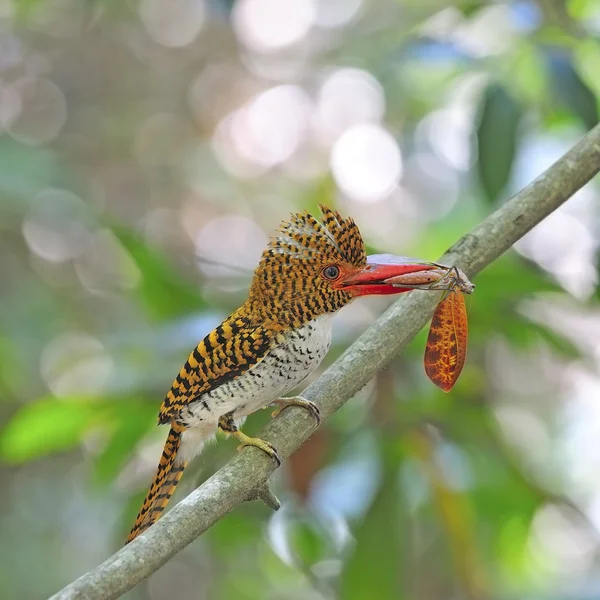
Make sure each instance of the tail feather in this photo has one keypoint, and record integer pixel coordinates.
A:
(168, 474)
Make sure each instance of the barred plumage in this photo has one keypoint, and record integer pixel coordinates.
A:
(269, 345)
(167, 477)
(224, 353)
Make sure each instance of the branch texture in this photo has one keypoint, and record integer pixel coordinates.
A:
(245, 476)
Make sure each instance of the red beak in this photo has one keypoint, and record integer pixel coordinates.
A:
(371, 280)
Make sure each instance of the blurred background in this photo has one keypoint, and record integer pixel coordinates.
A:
(147, 151)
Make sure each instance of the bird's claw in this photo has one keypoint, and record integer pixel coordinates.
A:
(297, 401)
(265, 446)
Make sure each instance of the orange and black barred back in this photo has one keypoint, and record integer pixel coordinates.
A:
(231, 348)
(168, 474)
(287, 292)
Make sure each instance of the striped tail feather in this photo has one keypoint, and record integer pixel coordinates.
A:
(168, 474)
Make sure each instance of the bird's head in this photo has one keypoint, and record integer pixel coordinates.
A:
(314, 267)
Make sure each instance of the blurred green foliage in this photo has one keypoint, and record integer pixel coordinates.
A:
(497, 139)
(115, 260)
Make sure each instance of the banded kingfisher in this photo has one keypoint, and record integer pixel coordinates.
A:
(267, 347)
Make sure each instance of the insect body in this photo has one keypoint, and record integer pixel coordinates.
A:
(446, 347)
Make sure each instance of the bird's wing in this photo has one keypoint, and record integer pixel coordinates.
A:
(226, 352)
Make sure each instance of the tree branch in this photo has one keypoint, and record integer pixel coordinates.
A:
(245, 475)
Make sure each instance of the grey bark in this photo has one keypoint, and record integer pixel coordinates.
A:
(246, 476)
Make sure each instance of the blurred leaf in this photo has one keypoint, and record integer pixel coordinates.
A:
(45, 426)
(24, 8)
(512, 276)
(134, 420)
(556, 341)
(494, 305)
(161, 291)
(497, 139)
(469, 7)
(24, 171)
(569, 88)
(373, 570)
(505, 489)
(528, 76)
(582, 9)
(240, 528)
(308, 541)
(53, 424)
(455, 510)
(587, 62)
(513, 543)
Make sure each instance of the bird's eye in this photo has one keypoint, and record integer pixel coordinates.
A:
(331, 272)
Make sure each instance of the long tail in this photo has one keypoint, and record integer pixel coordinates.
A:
(169, 472)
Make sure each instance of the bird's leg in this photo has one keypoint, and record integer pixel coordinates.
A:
(297, 401)
(227, 425)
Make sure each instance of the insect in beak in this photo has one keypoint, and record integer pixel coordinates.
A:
(446, 348)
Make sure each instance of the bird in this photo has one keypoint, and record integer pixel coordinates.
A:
(310, 270)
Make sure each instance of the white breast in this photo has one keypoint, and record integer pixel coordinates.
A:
(283, 368)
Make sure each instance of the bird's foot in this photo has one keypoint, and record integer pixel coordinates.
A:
(227, 425)
(297, 401)
(266, 447)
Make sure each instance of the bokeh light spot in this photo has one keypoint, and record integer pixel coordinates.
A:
(346, 98)
(448, 133)
(563, 245)
(105, 265)
(229, 240)
(76, 363)
(273, 125)
(174, 23)
(43, 111)
(559, 543)
(269, 25)
(366, 163)
(266, 131)
(54, 228)
(336, 13)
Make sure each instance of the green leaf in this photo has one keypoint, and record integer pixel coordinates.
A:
(43, 427)
(24, 8)
(54, 424)
(570, 89)
(373, 570)
(528, 74)
(557, 342)
(586, 59)
(134, 420)
(239, 529)
(308, 542)
(497, 139)
(514, 277)
(469, 8)
(582, 9)
(163, 293)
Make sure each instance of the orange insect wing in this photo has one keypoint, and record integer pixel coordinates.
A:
(446, 348)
